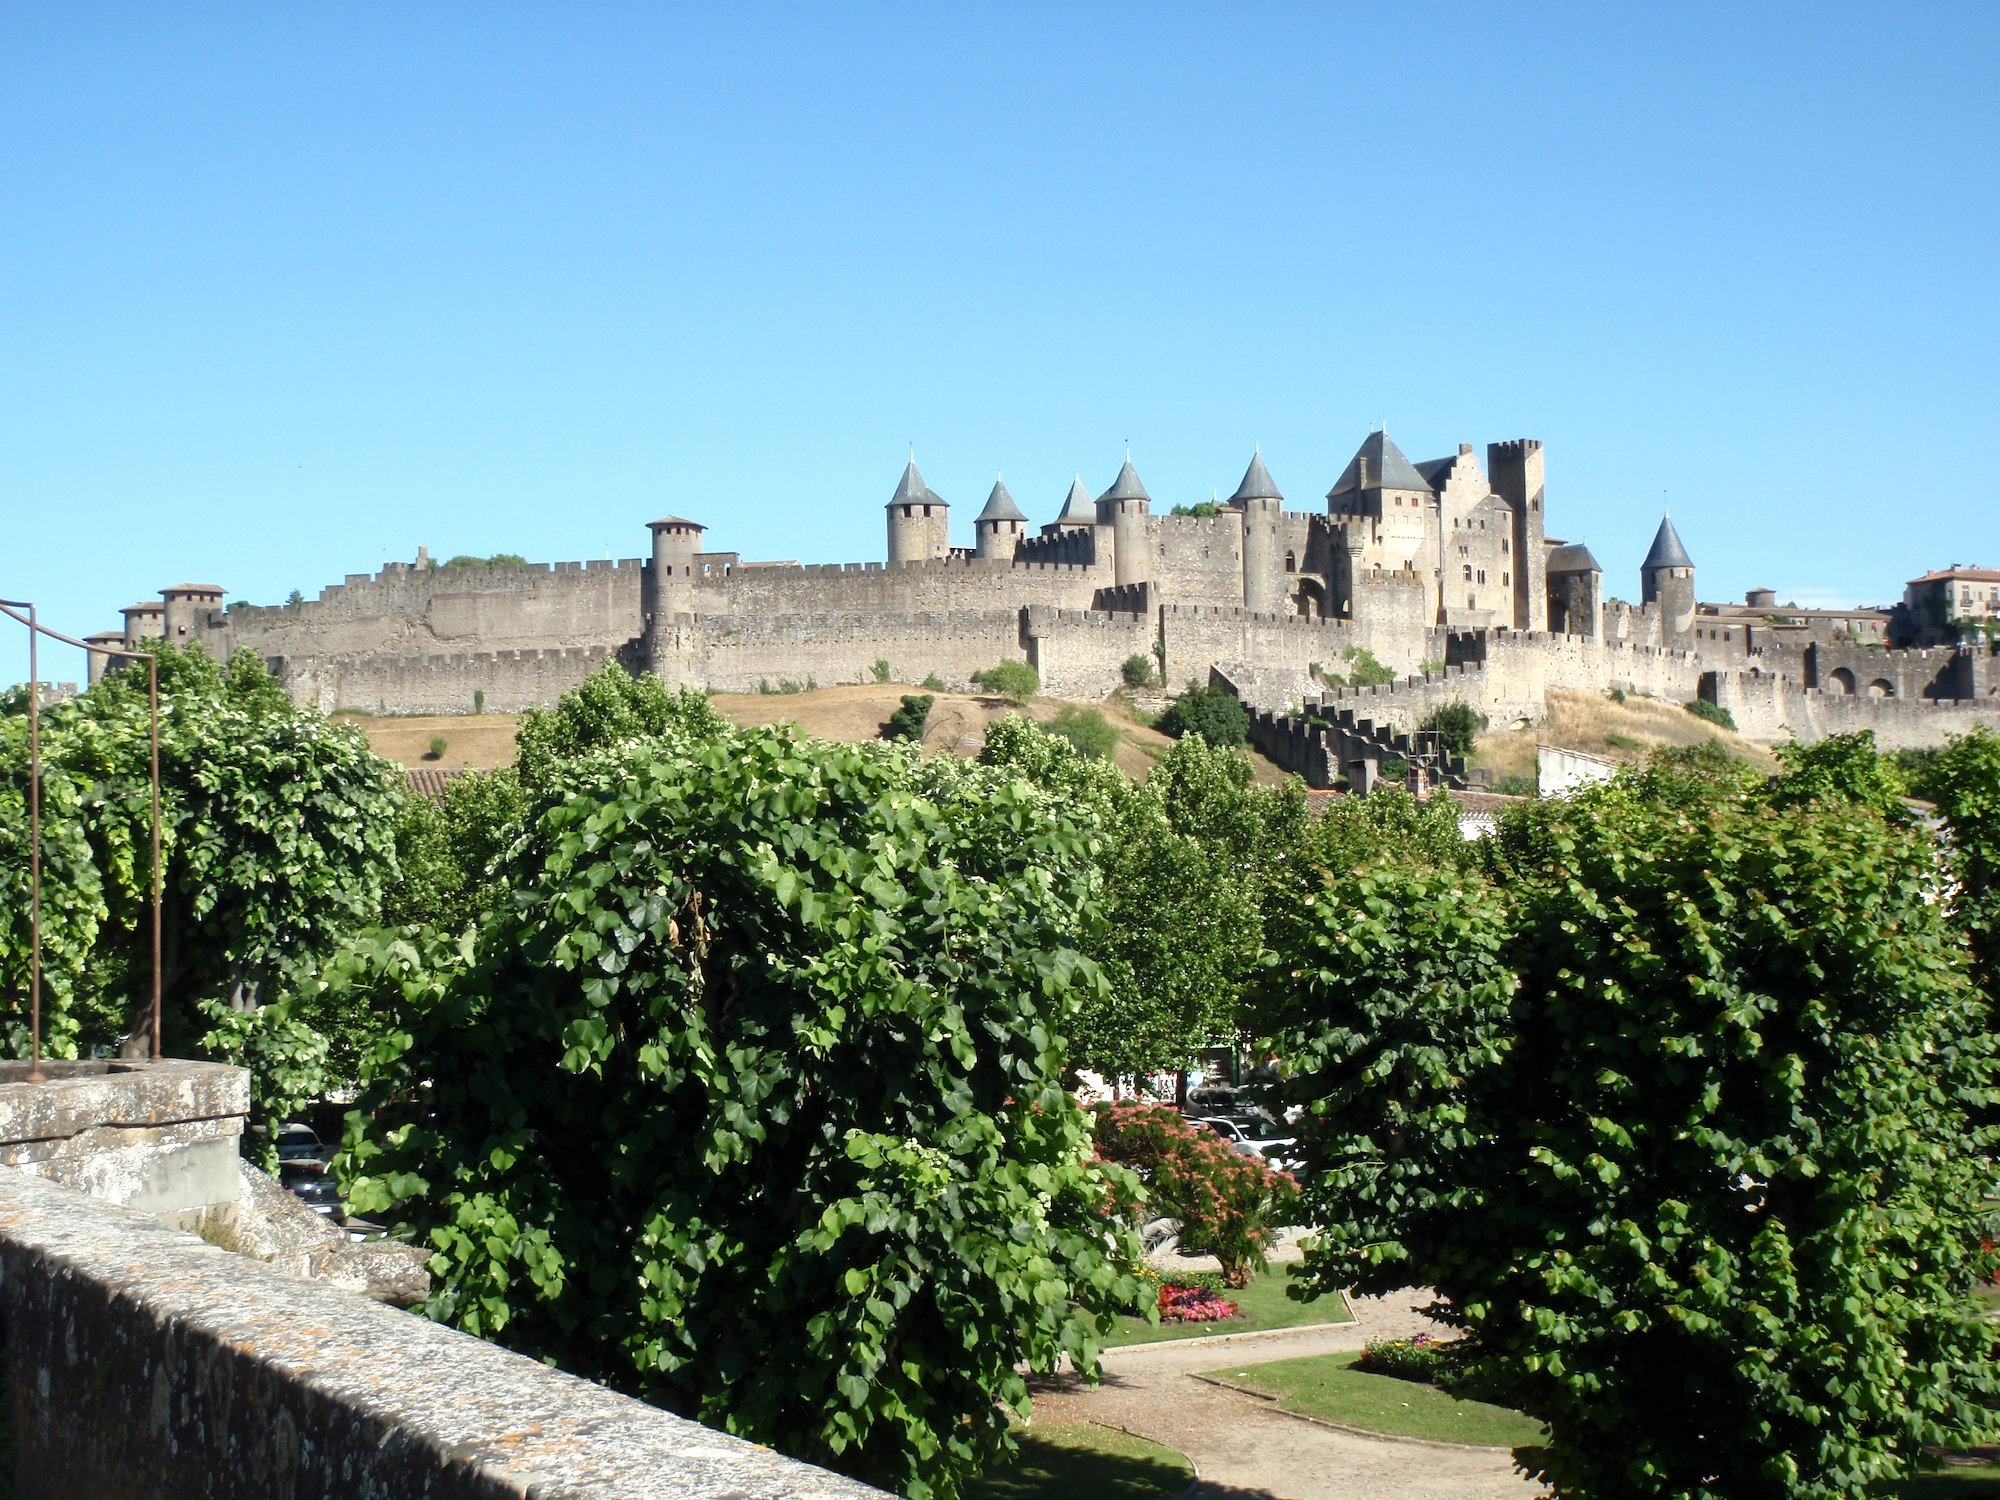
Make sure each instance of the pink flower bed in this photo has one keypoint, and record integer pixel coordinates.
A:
(1188, 1304)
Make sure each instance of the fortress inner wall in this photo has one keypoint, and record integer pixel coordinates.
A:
(945, 586)
(1199, 558)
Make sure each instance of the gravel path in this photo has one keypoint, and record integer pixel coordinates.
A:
(1244, 1450)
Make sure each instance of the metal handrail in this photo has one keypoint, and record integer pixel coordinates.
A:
(11, 608)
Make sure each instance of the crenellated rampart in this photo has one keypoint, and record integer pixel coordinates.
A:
(510, 681)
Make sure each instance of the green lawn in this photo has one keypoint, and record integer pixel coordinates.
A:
(1068, 1461)
(1968, 1482)
(1326, 1385)
(1262, 1304)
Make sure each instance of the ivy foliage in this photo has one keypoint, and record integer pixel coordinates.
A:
(749, 1100)
(277, 841)
(1677, 1103)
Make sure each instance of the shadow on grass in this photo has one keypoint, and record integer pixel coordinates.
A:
(1073, 1461)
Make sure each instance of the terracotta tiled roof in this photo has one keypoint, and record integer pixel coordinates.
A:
(430, 781)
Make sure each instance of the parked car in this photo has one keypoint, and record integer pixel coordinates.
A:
(319, 1195)
(299, 1144)
(1248, 1137)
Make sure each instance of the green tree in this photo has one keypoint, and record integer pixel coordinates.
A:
(907, 722)
(748, 1101)
(1086, 728)
(277, 840)
(1680, 1117)
(1364, 670)
(610, 708)
(1211, 712)
(1139, 670)
(1963, 780)
(1711, 713)
(1014, 680)
(1183, 862)
(1457, 725)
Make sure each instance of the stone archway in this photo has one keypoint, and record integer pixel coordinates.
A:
(1881, 687)
(1841, 681)
(1310, 600)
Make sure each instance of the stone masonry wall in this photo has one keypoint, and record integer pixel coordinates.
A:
(141, 1362)
(439, 684)
(1083, 655)
(1199, 559)
(943, 586)
(1771, 707)
(440, 611)
(736, 653)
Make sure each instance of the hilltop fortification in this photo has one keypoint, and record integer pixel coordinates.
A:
(1442, 570)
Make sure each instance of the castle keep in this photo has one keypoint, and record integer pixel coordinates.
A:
(1444, 564)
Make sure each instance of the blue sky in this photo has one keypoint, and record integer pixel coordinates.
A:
(291, 290)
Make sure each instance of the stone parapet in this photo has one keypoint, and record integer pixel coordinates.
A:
(142, 1362)
(161, 1137)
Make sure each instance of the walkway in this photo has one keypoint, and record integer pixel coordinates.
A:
(1244, 1450)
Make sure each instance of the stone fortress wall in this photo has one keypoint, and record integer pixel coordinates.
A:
(1418, 564)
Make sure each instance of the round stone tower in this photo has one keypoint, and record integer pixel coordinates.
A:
(188, 606)
(1000, 527)
(1265, 586)
(919, 521)
(669, 589)
(1127, 509)
(1666, 578)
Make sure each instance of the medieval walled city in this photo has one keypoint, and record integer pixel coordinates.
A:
(1444, 570)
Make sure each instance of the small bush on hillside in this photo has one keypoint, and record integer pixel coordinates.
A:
(1364, 670)
(1209, 712)
(1457, 726)
(1617, 695)
(1711, 713)
(1086, 728)
(1139, 670)
(881, 669)
(907, 722)
(437, 748)
(1015, 680)
(1517, 786)
(479, 700)
(1625, 742)
(933, 683)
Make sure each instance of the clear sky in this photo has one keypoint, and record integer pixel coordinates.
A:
(288, 290)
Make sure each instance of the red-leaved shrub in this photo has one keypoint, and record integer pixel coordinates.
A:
(1225, 1201)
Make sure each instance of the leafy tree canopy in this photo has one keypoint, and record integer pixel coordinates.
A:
(1681, 1114)
(748, 1102)
(277, 840)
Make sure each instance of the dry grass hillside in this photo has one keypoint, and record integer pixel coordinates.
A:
(1595, 725)
(851, 712)
(476, 742)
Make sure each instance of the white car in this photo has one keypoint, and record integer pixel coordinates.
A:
(1278, 1151)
